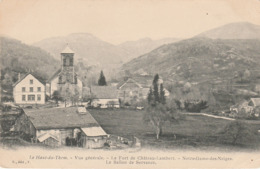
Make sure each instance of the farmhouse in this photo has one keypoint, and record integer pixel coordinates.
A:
(104, 96)
(29, 90)
(136, 88)
(65, 75)
(62, 127)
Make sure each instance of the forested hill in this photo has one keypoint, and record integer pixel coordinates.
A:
(199, 59)
(16, 57)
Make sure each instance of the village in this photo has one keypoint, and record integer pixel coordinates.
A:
(63, 112)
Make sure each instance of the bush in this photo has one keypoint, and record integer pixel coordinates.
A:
(238, 132)
(195, 106)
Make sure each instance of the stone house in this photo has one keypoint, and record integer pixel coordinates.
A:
(62, 127)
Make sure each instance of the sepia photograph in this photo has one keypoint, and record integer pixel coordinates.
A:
(130, 84)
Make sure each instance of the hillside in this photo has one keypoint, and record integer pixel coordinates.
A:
(143, 46)
(199, 59)
(16, 57)
(87, 47)
(240, 30)
(19, 57)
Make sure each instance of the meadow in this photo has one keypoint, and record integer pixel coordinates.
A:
(191, 132)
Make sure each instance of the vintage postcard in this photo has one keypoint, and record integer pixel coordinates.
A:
(130, 84)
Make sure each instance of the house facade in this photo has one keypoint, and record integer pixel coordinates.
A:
(65, 75)
(29, 90)
(62, 127)
(104, 96)
(136, 88)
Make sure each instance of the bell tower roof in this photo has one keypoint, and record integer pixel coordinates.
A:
(67, 50)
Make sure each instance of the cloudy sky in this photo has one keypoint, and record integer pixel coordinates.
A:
(116, 21)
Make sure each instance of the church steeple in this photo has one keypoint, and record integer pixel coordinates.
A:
(67, 65)
(67, 50)
(67, 57)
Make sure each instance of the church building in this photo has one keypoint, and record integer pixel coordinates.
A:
(65, 75)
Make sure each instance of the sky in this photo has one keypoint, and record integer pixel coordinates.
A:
(117, 21)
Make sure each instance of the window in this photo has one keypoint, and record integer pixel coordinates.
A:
(31, 81)
(71, 61)
(39, 89)
(64, 61)
(23, 97)
(23, 89)
(31, 89)
(67, 61)
(31, 97)
(38, 97)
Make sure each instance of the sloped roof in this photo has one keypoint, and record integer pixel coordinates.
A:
(57, 74)
(143, 81)
(94, 131)
(104, 92)
(23, 77)
(45, 136)
(60, 118)
(256, 101)
(67, 50)
(54, 75)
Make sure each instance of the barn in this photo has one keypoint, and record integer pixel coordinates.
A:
(62, 127)
(104, 97)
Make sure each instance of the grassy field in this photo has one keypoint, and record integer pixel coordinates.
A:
(193, 132)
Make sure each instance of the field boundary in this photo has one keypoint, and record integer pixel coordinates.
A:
(209, 115)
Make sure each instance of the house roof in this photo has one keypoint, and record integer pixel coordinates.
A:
(104, 92)
(24, 76)
(57, 74)
(256, 101)
(54, 75)
(54, 118)
(94, 131)
(142, 81)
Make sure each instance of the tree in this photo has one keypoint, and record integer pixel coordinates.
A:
(237, 132)
(150, 96)
(70, 92)
(157, 111)
(156, 88)
(56, 96)
(162, 94)
(102, 79)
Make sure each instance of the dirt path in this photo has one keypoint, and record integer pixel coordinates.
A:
(220, 117)
(210, 115)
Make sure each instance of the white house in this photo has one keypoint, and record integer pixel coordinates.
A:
(104, 96)
(29, 90)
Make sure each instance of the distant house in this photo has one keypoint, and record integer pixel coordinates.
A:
(62, 127)
(246, 106)
(66, 74)
(104, 96)
(29, 90)
(136, 88)
(254, 102)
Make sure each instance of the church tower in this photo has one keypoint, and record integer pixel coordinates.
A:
(67, 67)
